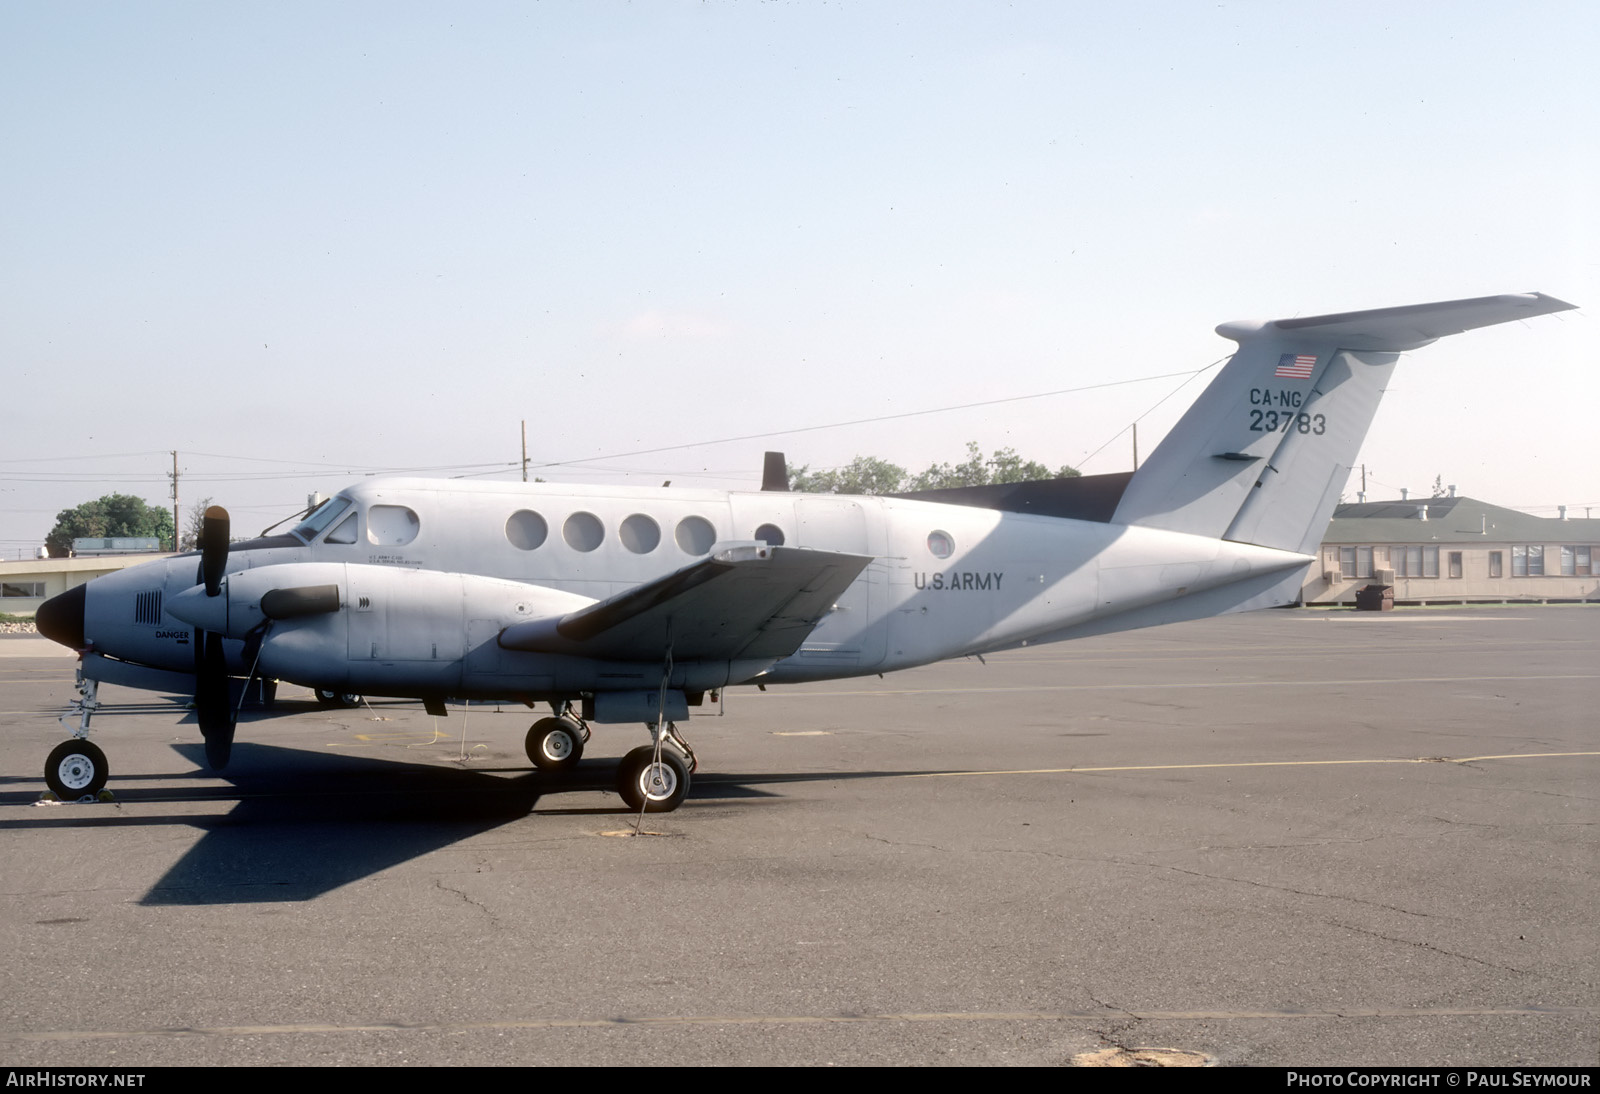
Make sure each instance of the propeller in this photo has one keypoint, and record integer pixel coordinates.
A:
(212, 706)
(213, 548)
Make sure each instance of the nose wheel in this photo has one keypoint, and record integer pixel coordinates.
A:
(76, 769)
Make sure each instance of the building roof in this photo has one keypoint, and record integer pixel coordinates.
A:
(1451, 520)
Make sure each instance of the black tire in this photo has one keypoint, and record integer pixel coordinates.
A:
(329, 697)
(554, 744)
(657, 788)
(76, 769)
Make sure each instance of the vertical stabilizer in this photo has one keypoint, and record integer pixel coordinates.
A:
(1264, 452)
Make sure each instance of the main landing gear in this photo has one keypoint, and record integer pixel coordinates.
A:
(645, 780)
(655, 786)
(556, 744)
(655, 777)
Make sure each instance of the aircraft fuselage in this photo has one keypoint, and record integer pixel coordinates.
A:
(944, 581)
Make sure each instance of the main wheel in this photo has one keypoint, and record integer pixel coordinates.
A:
(657, 787)
(554, 744)
(75, 769)
(328, 697)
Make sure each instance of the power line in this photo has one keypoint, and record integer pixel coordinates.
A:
(859, 421)
(486, 468)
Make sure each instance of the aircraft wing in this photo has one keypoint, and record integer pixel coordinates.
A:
(747, 601)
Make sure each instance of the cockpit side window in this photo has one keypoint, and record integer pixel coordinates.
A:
(322, 516)
(345, 533)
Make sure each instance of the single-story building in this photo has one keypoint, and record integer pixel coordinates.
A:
(1455, 549)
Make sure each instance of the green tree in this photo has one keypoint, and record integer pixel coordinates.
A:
(112, 515)
(862, 475)
(870, 475)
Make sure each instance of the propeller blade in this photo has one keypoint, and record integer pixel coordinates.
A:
(213, 548)
(211, 702)
(303, 600)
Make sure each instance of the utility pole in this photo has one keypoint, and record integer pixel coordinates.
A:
(176, 527)
(524, 450)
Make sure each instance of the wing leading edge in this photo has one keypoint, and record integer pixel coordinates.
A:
(746, 601)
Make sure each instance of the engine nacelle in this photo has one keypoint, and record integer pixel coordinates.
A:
(381, 630)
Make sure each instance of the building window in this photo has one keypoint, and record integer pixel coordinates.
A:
(1455, 564)
(1497, 563)
(25, 590)
(1354, 562)
(1416, 561)
(1577, 561)
(1527, 561)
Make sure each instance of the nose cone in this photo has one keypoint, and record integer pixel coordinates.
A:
(60, 618)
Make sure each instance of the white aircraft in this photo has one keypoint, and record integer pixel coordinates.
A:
(622, 604)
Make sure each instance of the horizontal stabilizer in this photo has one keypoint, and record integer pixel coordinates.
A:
(1413, 325)
(746, 601)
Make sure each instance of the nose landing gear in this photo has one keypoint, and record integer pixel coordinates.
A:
(77, 770)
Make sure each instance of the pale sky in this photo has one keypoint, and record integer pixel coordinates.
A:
(302, 242)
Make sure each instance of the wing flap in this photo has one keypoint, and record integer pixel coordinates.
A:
(748, 601)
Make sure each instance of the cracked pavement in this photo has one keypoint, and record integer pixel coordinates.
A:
(1013, 875)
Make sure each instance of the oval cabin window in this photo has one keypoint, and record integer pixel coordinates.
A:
(695, 535)
(526, 530)
(583, 531)
(639, 534)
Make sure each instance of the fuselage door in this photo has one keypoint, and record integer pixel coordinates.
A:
(854, 633)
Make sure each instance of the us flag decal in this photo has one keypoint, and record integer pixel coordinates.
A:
(1296, 366)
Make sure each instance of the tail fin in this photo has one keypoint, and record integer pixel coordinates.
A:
(1262, 455)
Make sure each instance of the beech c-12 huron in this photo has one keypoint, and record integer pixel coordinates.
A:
(625, 604)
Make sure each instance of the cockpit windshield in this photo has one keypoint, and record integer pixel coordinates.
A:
(322, 516)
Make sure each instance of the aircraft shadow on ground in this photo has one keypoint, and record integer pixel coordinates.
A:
(305, 823)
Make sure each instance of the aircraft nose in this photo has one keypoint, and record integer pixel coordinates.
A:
(60, 618)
